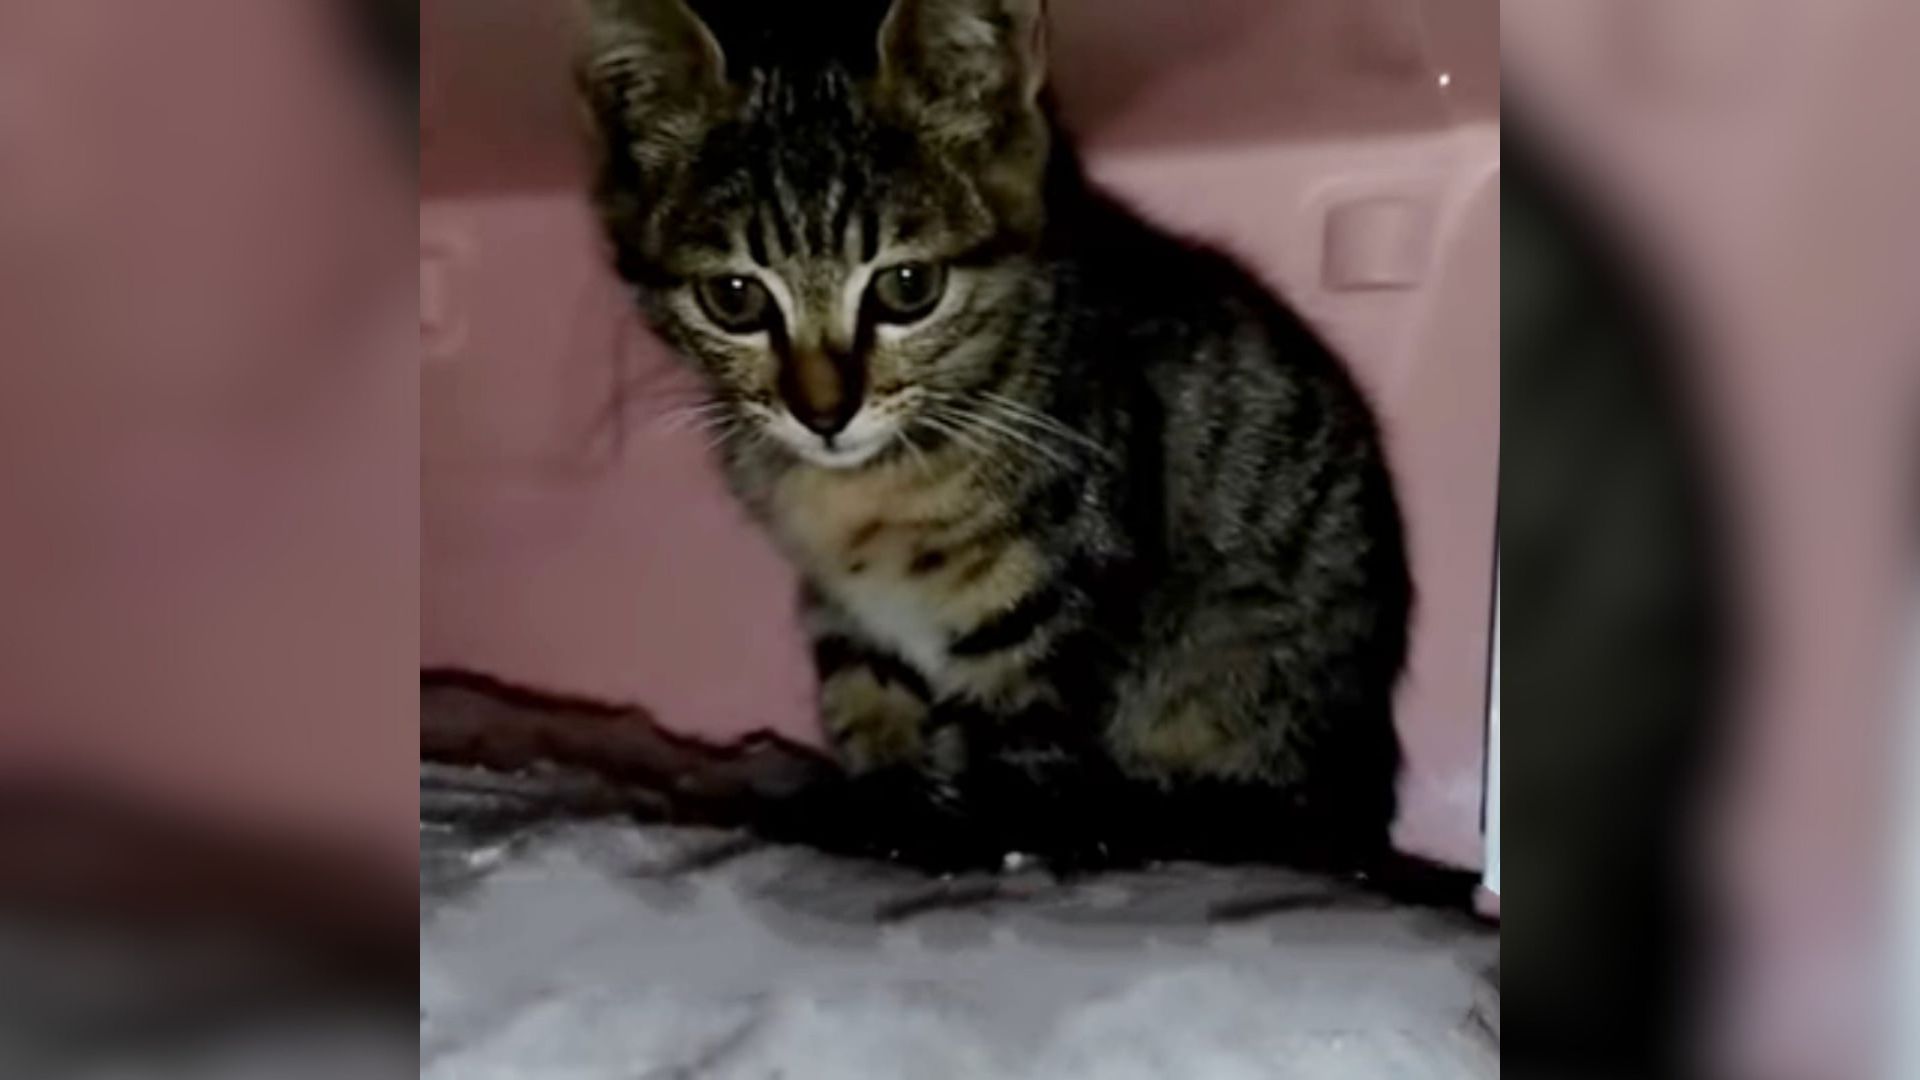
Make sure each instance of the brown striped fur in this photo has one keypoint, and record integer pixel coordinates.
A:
(1105, 517)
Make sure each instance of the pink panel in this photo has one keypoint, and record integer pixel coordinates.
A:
(558, 548)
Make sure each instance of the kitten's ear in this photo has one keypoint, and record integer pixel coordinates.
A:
(964, 60)
(653, 75)
(969, 73)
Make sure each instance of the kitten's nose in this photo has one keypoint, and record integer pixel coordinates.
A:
(827, 424)
(822, 389)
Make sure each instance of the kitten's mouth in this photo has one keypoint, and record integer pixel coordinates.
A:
(860, 442)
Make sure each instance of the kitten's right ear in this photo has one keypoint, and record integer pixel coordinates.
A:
(968, 75)
(653, 76)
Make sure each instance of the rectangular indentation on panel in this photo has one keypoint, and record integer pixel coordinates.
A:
(444, 246)
(1377, 243)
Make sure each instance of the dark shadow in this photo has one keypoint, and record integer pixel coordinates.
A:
(387, 33)
(546, 756)
(1616, 588)
(128, 928)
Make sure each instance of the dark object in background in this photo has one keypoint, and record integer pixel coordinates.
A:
(496, 756)
(1615, 595)
(387, 33)
(603, 758)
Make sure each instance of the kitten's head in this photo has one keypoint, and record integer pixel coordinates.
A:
(832, 235)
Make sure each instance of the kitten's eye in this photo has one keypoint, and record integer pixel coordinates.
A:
(906, 293)
(736, 304)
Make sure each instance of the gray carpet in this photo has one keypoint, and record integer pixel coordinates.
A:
(584, 949)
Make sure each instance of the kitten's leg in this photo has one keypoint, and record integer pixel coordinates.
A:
(903, 798)
(873, 707)
(1260, 749)
(1040, 782)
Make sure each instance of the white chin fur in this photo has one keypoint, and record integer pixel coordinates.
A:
(855, 445)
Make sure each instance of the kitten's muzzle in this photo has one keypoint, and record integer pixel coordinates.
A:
(823, 389)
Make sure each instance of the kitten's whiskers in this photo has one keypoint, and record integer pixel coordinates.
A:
(1022, 412)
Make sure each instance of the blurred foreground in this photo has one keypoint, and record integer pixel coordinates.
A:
(208, 538)
(1711, 338)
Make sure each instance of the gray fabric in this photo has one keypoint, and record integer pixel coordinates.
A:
(591, 949)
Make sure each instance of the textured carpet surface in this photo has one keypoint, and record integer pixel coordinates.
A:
(608, 949)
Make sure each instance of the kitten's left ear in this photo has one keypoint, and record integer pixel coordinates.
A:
(964, 56)
(968, 74)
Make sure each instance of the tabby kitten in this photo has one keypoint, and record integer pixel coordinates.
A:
(1094, 531)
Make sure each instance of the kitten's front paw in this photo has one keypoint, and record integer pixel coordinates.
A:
(874, 724)
(1074, 818)
(893, 814)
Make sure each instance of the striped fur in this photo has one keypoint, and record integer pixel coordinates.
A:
(1123, 510)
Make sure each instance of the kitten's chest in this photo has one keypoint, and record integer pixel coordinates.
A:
(898, 553)
(900, 614)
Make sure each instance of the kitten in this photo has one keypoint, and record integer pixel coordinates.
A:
(1094, 532)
